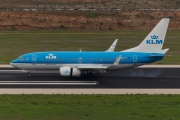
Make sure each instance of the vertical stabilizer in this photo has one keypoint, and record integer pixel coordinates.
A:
(155, 39)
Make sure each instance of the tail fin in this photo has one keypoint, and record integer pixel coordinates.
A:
(155, 39)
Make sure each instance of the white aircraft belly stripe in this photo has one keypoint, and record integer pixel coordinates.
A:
(57, 66)
(48, 82)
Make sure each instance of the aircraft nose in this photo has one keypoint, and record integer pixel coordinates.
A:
(13, 63)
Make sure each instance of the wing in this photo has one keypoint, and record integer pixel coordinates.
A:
(96, 67)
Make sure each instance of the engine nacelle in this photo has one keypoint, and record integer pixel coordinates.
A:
(68, 71)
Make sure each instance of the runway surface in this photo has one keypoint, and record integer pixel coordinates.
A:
(136, 78)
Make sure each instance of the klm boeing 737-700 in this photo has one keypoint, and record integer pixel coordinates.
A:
(76, 63)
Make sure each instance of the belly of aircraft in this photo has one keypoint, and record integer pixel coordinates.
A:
(57, 66)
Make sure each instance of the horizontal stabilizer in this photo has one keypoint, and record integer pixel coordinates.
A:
(165, 50)
(159, 55)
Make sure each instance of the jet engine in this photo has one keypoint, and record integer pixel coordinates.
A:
(68, 72)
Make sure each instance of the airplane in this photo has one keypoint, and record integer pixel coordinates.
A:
(74, 64)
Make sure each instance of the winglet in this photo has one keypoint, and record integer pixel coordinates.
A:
(112, 47)
(117, 61)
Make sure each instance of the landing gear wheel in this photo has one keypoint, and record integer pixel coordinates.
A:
(29, 74)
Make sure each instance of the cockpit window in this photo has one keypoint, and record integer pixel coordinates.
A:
(21, 58)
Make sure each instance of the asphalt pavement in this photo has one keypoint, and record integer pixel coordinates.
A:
(138, 78)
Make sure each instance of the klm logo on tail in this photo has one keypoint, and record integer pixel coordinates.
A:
(154, 40)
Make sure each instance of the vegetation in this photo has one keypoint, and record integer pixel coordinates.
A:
(15, 43)
(88, 4)
(88, 107)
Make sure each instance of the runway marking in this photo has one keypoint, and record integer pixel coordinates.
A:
(48, 82)
(13, 71)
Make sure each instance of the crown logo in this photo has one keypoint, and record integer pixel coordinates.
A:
(154, 37)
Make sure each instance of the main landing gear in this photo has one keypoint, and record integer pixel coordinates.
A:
(90, 73)
(29, 73)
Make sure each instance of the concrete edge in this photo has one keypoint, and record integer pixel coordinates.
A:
(5, 66)
(88, 91)
(159, 66)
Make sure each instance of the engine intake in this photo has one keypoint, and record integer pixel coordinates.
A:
(68, 72)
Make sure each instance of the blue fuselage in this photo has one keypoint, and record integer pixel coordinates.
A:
(87, 57)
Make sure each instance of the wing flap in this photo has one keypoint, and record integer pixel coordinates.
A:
(116, 62)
